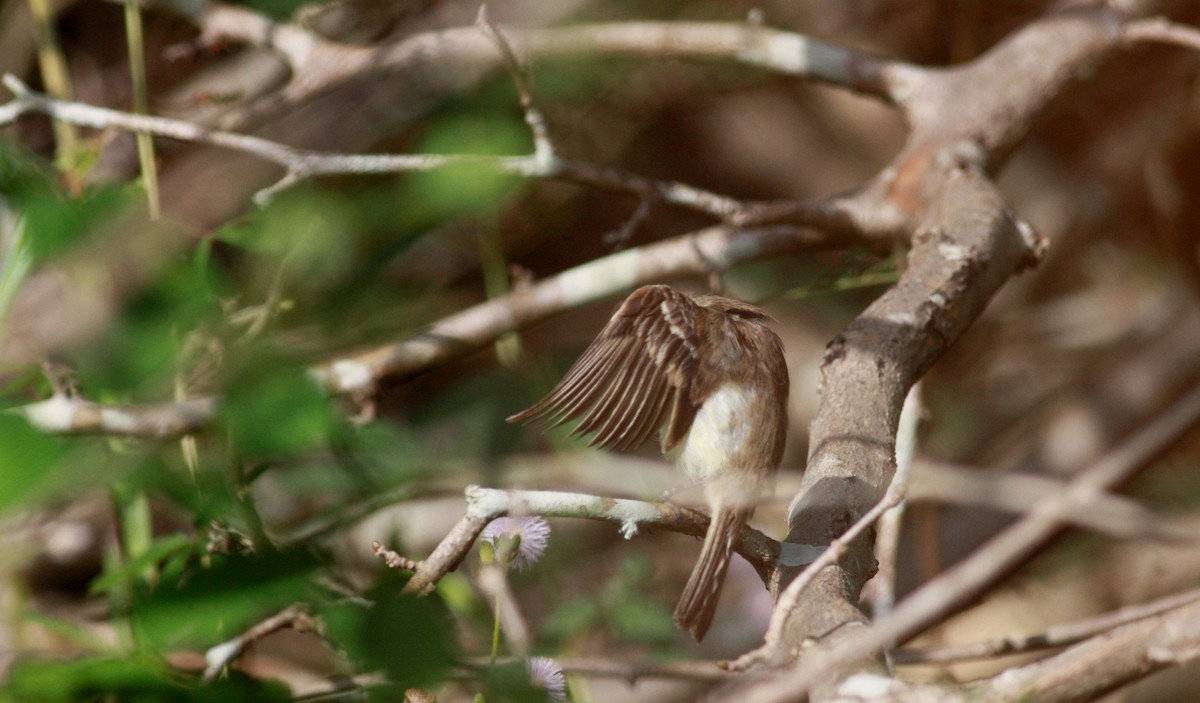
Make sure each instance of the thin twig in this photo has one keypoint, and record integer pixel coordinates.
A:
(1100, 664)
(543, 148)
(304, 164)
(1108, 514)
(748, 43)
(887, 541)
(1162, 30)
(486, 504)
(218, 657)
(1054, 637)
(450, 551)
(619, 237)
(632, 671)
(393, 559)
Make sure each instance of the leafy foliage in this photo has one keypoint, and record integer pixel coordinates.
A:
(208, 605)
(28, 457)
(125, 679)
(407, 637)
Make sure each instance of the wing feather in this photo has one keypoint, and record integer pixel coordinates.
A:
(633, 376)
(576, 399)
(645, 420)
(571, 395)
(607, 393)
(620, 417)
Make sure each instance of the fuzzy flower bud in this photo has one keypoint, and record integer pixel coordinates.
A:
(528, 536)
(548, 676)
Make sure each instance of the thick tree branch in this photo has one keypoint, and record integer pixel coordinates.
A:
(968, 246)
(955, 587)
(965, 121)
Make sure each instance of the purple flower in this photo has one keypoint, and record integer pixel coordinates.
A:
(548, 676)
(530, 533)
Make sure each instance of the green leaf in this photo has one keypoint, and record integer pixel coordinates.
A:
(89, 678)
(640, 620)
(460, 596)
(204, 606)
(572, 619)
(393, 454)
(409, 638)
(24, 178)
(163, 549)
(28, 458)
(140, 350)
(56, 222)
(471, 188)
(128, 679)
(509, 683)
(273, 409)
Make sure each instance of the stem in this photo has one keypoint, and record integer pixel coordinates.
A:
(495, 281)
(15, 261)
(495, 631)
(137, 71)
(57, 78)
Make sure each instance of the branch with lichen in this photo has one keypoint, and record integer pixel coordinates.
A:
(487, 504)
(64, 414)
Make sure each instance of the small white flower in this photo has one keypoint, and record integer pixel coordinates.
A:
(533, 533)
(548, 676)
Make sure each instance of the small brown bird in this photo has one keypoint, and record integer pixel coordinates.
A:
(709, 373)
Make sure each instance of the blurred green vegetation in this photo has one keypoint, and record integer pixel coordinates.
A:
(128, 679)
(235, 530)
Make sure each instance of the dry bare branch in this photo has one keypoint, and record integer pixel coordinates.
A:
(319, 63)
(690, 254)
(1055, 637)
(1107, 514)
(1111, 660)
(634, 671)
(220, 656)
(1162, 30)
(887, 541)
(304, 164)
(966, 244)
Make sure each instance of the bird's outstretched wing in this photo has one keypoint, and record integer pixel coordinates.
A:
(634, 376)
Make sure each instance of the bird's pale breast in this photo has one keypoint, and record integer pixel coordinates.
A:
(723, 434)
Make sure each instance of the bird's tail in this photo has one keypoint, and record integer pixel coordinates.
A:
(694, 612)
